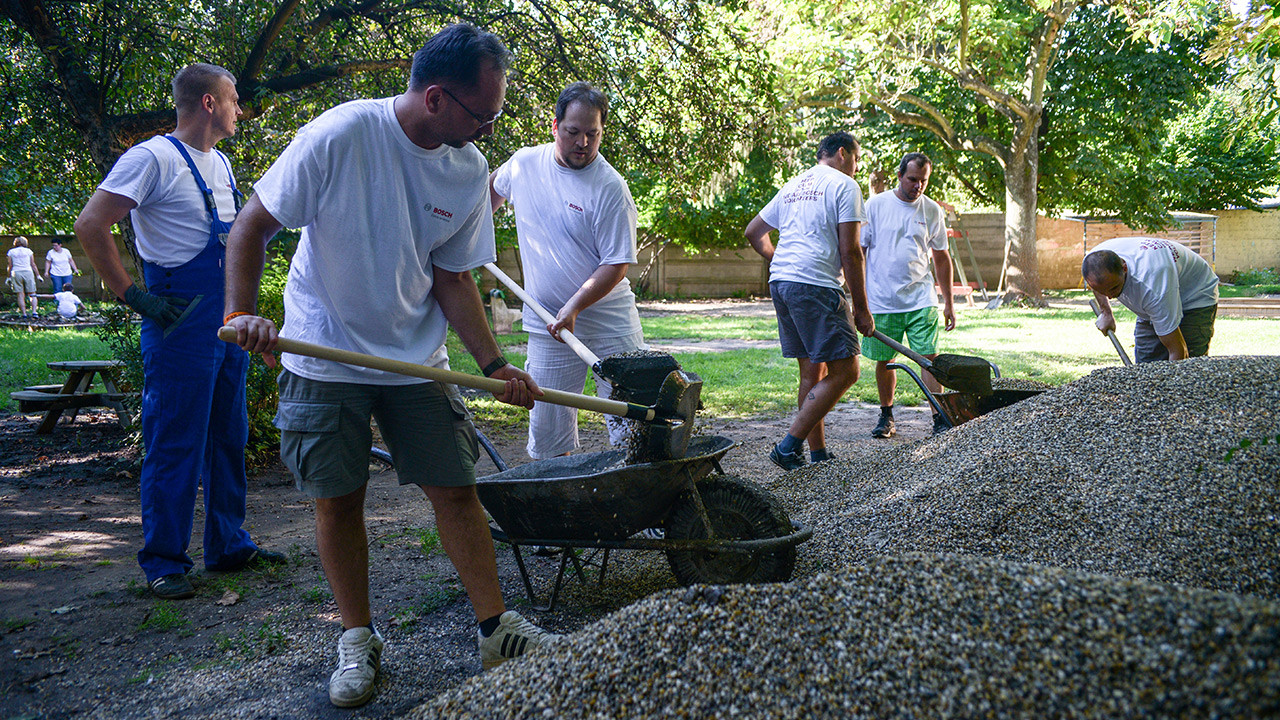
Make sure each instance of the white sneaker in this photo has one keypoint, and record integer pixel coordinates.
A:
(514, 637)
(359, 657)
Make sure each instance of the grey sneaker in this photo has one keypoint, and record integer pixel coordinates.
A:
(359, 657)
(514, 637)
(787, 461)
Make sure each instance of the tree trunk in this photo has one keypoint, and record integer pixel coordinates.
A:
(1020, 177)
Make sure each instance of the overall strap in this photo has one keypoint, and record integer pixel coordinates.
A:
(236, 196)
(205, 192)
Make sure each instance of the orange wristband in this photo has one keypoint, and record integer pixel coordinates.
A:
(235, 314)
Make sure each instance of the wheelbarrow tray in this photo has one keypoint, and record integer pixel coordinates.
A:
(962, 407)
(593, 496)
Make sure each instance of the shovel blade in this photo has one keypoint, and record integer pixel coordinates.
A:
(964, 373)
(640, 376)
(667, 436)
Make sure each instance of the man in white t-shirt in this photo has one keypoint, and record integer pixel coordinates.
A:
(194, 421)
(576, 222)
(905, 228)
(817, 215)
(59, 265)
(394, 182)
(1172, 290)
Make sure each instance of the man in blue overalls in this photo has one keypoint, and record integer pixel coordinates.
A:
(183, 198)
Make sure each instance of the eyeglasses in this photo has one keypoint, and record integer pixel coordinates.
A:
(478, 118)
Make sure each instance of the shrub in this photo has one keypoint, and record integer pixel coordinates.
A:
(1256, 276)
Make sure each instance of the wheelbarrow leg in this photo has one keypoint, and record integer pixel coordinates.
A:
(524, 575)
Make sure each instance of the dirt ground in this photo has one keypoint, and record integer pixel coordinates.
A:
(83, 637)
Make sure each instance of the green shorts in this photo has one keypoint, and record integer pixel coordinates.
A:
(919, 326)
(325, 434)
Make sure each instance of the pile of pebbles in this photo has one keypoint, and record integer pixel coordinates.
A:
(1106, 549)
(908, 636)
(1164, 471)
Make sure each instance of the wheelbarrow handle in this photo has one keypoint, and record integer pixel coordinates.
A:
(919, 359)
(493, 385)
(577, 345)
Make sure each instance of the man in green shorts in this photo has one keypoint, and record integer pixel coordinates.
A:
(904, 228)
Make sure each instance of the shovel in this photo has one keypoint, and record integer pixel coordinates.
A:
(964, 373)
(638, 378)
(1097, 311)
(667, 424)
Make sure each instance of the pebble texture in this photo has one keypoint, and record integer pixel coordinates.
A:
(1166, 471)
(1110, 548)
(907, 636)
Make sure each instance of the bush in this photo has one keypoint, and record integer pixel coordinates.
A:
(120, 332)
(1256, 276)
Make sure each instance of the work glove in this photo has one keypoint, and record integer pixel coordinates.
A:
(164, 310)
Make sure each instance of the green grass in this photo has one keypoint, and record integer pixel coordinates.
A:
(697, 327)
(165, 616)
(266, 640)
(24, 354)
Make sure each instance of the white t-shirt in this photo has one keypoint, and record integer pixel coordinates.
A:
(67, 302)
(807, 212)
(378, 213)
(21, 257)
(898, 239)
(171, 223)
(59, 262)
(1164, 280)
(570, 222)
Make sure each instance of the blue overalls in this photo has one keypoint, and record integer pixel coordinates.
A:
(193, 413)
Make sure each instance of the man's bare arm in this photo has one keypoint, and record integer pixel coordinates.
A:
(602, 281)
(849, 236)
(93, 230)
(1175, 344)
(246, 254)
(757, 233)
(942, 270)
(495, 200)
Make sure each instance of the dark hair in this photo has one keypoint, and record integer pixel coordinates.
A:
(195, 81)
(66, 287)
(835, 142)
(586, 93)
(1101, 261)
(915, 157)
(456, 54)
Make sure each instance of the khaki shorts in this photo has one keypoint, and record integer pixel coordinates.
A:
(23, 282)
(325, 434)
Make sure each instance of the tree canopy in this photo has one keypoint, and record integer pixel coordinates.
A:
(86, 80)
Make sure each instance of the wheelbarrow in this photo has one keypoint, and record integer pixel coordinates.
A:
(960, 407)
(718, 529)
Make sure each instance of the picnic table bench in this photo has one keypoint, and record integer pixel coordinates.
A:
(75, 393)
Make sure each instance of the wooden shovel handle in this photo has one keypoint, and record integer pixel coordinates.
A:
(493, 385)
(919, 359)
(583, 351)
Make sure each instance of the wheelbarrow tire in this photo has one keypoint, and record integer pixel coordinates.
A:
(738, 510)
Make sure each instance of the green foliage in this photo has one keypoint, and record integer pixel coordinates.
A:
(267, 639)
(121, 333)
(165, 616)
(16, 624)
(1256, 276)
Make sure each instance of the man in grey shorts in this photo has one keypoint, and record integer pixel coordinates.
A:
(817, 216)
(397, 179)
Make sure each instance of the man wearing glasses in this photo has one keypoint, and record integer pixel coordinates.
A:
(383, 183)
(576, 222)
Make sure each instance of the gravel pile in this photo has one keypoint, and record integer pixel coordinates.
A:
(908, 636)
(1165, 471)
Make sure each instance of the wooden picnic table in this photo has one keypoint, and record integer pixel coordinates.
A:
(75, 393)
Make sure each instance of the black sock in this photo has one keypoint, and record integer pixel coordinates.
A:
(819, 455)
(488, 626)
(886, 411)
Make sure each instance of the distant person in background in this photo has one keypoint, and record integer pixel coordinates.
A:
(1172, 290)
(23, 274)
(818, 257)
(904, 231)
(877, 181)
(59, 266)
(68, 303)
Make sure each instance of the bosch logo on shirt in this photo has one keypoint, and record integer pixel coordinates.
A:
(574, 207)
(438, 213)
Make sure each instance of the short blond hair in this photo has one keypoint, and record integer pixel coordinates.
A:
(19, 241)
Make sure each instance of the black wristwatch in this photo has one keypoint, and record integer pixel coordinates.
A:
(494, 366)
